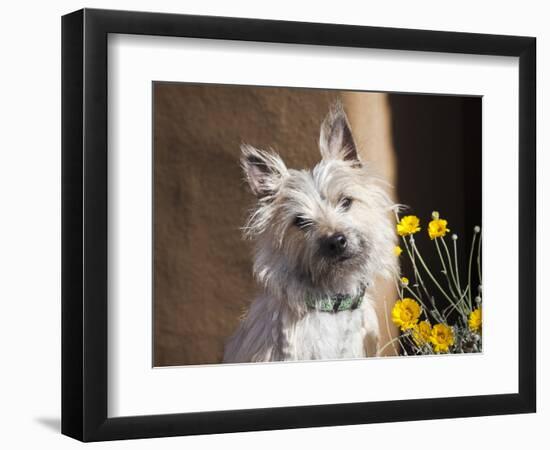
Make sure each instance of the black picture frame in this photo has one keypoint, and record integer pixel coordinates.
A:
(84, 224)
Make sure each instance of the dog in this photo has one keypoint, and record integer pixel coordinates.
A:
(321, 238)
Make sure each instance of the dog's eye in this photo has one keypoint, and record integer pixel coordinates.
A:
(302, 222)
(346, 203)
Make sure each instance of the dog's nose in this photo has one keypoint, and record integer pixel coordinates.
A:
(335, 245)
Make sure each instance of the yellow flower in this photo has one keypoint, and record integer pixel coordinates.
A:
(408, 225)
(442, 337)
(404, 281)
(422, 332)
(474, 321)
(397, 250)
(437, 228)
(405, 313)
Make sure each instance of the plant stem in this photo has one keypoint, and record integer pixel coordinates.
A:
(458, 303)
(456, 263)
(417, 277)
(445, 271)
(389, 331)
(457, 284)
(417, 298)
(479, 259)
(470, 271)
(437, 316)
(434, 280)
(397, 338)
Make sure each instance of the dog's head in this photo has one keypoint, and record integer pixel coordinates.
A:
(328, 226)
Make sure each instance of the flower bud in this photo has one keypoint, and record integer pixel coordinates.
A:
(454, 237)
(435, 215)
(477, 229)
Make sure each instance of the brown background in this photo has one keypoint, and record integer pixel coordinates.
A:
(202, 267)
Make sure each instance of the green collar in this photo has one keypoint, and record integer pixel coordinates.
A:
(336, 303)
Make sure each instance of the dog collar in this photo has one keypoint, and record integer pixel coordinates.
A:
(336, 303)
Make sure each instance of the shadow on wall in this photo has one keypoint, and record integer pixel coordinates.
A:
(202, 267)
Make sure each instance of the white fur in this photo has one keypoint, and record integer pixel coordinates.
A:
(273, 332)
(289, 266)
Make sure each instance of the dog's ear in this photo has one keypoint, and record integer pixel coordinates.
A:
(336, 140)
(264, 171)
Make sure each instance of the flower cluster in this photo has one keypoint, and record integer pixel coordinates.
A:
(425, 327)
(406, 314)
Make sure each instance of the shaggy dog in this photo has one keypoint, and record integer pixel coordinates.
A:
(321, 237)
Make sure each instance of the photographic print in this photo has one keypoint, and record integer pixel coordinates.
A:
(297, 224)
(317, 210)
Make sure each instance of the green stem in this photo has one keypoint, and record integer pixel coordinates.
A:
(446, 272)
(451, 265)
(433, 278)
(417, 278)
(461, 300)
(456, 262)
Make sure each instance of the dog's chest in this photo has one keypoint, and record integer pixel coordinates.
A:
(325, 335)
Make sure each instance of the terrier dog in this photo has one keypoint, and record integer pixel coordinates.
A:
(321, 238)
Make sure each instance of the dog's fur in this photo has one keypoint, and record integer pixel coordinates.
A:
(296, 212)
